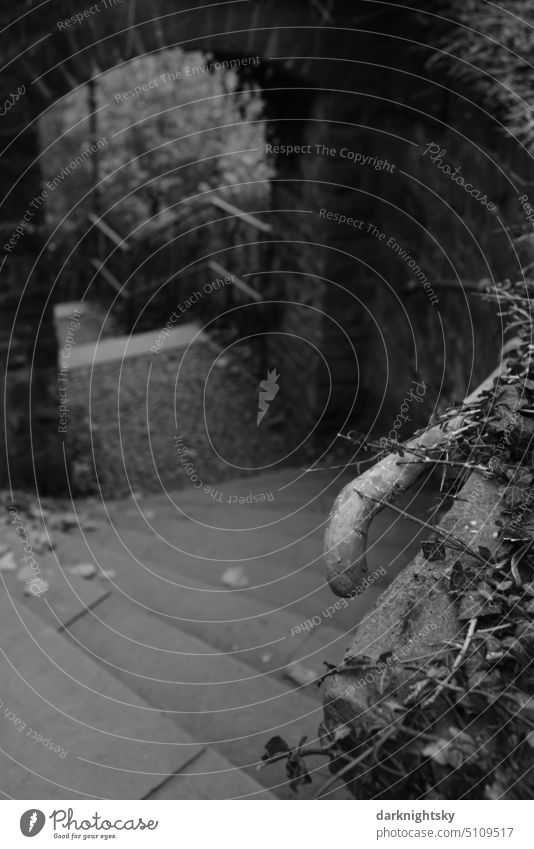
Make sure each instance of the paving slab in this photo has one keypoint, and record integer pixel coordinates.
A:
(67, 596)
(210, 776)
(220, 701)
(256, 621)
(70, 729)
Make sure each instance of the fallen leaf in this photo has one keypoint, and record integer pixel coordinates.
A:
(83, 570)
(300, 674)
(65, 521)
(37, 512)
(235, 578)
(40, 540)
(433, 549)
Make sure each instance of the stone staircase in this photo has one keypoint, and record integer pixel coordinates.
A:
(165, 674)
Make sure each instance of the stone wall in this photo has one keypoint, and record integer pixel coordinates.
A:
(127, 416)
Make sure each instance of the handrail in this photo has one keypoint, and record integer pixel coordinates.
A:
(111, 234)
(249, 217)
(240, 284)
(359, 502)
(109, 278)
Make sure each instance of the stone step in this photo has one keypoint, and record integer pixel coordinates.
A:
(261, 527)
(296, 540)
(66, 596)
(189, 591)
(268, 638)
(288, 575)
(210, 776)
(70, 728)
(220, 701)
(265, 638)
(291, 487)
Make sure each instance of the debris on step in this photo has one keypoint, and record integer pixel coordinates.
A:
(38, 512)
(83, 570)
(8, 562)
(266, 657)
(107, 574)
(300, 674)
(66, 521)
(40, 540)
(235, 578)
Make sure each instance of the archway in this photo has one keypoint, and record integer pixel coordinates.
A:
(327, 128)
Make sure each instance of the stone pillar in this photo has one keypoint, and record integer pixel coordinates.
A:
(296, 347)
(31, 446)
(361, 295)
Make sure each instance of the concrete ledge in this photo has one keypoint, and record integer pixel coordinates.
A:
(123, 347)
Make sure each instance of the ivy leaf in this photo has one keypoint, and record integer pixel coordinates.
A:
(485, 590)
(452, 751)
(297, 771)
(275, 746)
(494, 791)
(458, 580)
(503, 586)
(514, 496)
(433, 549)
(471, 606)
(437, 751)
(525, 704)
